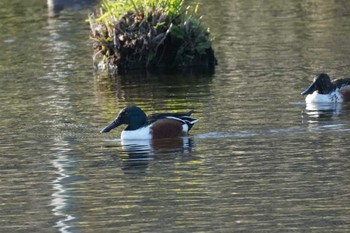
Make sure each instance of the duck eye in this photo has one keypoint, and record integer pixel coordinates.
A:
(124, 114)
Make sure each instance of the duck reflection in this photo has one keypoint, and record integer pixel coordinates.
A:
(136, 155)
(323, 116)
(322, 110)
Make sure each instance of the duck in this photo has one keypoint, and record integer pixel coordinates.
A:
(139, 126)
(324, 90)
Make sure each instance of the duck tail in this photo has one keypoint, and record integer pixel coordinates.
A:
(189, 121)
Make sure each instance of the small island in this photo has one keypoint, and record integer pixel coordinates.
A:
(150, 34)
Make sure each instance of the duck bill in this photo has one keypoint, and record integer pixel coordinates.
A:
(111, 126)
(310, 89)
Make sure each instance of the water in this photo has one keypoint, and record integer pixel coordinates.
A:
(258, 160)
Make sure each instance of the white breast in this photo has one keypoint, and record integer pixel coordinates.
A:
(334, 97)
(139, 134)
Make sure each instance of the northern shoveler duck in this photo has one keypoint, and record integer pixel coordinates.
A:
(323, 90)
(155, 126)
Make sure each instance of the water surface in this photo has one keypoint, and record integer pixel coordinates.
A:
(259, 159)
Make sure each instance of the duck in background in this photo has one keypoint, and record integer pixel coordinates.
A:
(324, 90)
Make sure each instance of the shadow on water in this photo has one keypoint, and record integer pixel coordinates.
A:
(128, 85)
(114, 92)
(136, 155)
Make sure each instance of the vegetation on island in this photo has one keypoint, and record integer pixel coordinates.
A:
(150, 34)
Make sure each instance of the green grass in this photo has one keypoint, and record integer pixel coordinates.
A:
(149, 32)
(112, 10)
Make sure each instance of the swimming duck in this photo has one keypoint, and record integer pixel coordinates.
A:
(155, 126)
(323, 90)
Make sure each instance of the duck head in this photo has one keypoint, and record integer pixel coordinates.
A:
(131, 116)
(322, 84)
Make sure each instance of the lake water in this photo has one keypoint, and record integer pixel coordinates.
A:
(258, 160)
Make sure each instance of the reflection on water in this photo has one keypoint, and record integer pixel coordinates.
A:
(137, 154)
(259, 160)
(326, 117)
(126, 89)
(322, 110)
(61, 196)
(56, 6)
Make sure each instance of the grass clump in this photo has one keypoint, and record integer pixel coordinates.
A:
(150, 34)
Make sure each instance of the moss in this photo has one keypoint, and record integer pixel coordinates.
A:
(153, 36)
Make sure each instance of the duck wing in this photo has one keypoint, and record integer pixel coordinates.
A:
(341, 82)
(156, 116)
